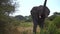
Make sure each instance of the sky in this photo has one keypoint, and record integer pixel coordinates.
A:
(25, 6)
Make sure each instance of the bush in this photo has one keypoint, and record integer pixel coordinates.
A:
(53, 27)
(50, 27)
(56, 21)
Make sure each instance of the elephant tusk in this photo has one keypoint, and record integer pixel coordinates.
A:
(39, 16)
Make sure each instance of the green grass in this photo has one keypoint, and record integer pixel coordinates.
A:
(50, 27)
(26, 24)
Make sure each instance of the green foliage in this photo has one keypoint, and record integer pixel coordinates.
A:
(26, 24)
(47, 22)
(56, 21)
(6, 7)
(28, 18)
(24, 18)
(53, 27)
(20, 17)
(6, 23)
(58, 31)
(52, 17)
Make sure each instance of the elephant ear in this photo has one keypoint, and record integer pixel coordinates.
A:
(47, 12)
(34, 10)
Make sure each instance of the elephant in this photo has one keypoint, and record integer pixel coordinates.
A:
(39, 13)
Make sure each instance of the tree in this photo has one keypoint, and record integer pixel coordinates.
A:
(28, 18)
(19, 17)
(6, 7)
(57, 13)
(52, 17)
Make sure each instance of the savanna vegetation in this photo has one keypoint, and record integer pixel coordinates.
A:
(52, 25)
(7, 23)
(23, 24)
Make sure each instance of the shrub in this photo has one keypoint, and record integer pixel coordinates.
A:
(56, 21)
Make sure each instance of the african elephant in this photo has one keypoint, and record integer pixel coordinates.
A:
(39, 15)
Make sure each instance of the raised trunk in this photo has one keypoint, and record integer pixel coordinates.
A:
(45, 3)
(44, 8)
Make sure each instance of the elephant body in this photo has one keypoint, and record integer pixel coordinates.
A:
(39, 13)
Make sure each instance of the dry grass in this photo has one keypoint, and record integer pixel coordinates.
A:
(27, 30)
(24, 30)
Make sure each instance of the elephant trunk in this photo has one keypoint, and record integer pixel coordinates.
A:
(45, 3)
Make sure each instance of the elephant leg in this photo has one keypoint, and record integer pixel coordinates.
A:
(34, 29)
(41, 25)
(42, 19)
(34, 25)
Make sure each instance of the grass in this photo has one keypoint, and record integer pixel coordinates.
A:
(27, 28)
(26, 24)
